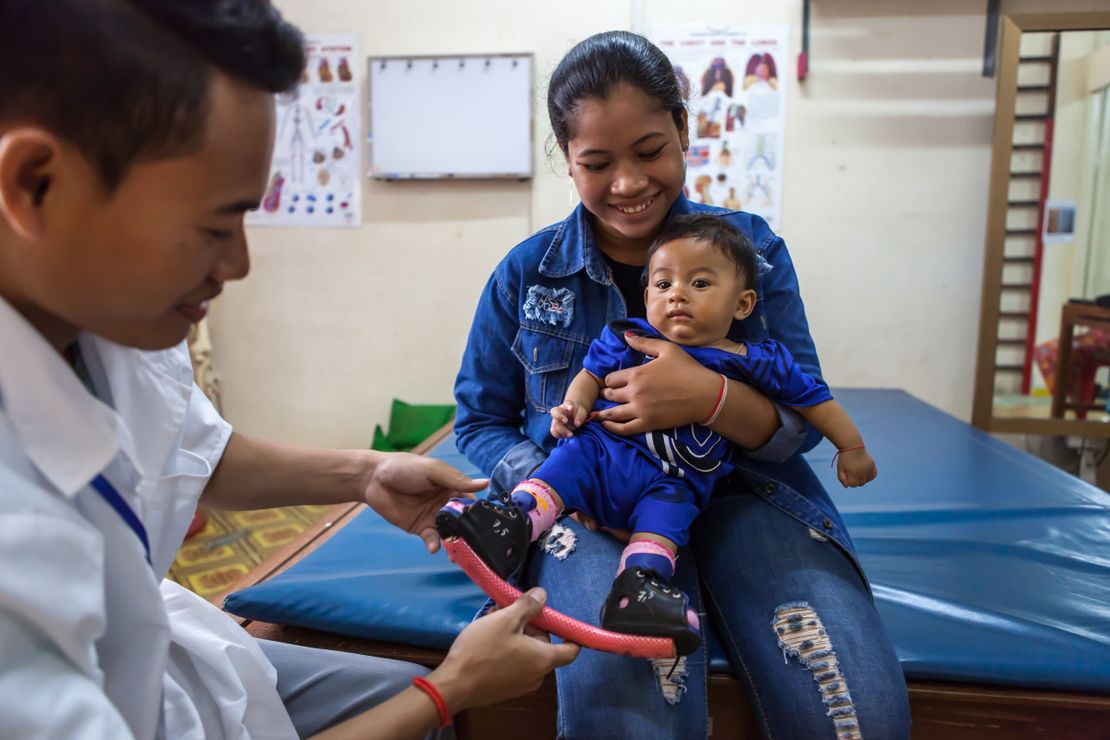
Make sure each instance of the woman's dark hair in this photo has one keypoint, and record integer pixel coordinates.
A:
(710, 229)
(127, 80)
(600, 64)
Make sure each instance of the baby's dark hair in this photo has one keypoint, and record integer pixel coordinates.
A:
(729, 241)
(127, 80)
(596, 67)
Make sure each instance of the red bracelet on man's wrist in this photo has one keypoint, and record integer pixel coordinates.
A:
(437, 698)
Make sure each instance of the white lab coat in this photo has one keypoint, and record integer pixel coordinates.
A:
(93, 642)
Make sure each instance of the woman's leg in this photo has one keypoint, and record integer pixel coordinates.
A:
(611, 696)
(321, 688)
(798, 623)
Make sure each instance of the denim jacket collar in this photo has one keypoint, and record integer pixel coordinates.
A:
(574, 248)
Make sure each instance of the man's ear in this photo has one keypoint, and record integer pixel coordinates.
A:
(29, 163)
(745, 304)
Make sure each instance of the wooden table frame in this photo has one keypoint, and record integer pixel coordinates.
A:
(941, 711)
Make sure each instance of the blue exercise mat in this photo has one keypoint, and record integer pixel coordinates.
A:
(988, 565)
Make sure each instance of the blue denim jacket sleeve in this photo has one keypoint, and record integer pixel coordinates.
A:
(489, 416)
(787, 439)
(786, 322)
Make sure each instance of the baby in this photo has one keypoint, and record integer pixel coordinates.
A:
(700, 278)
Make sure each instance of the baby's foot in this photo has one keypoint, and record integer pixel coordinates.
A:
(642, 602)
(497, 533)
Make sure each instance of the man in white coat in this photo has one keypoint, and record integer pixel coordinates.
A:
(134, 135)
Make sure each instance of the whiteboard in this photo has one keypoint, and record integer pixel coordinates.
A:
(451, 117)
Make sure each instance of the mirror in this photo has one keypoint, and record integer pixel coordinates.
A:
(1048, 244)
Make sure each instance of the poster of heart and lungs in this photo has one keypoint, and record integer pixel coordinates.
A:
(737, 78)
(316, 169)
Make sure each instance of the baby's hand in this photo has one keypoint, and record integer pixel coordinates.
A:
(567, 417)
(855, 468)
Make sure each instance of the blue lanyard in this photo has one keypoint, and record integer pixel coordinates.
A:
(111, 495)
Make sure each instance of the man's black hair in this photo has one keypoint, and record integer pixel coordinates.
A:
(704, 227)
(127, 80)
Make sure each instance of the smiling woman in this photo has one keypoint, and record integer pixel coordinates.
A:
(620, 121)
(622, 129)
(627, 160)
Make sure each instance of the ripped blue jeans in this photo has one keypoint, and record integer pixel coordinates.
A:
(796, 621)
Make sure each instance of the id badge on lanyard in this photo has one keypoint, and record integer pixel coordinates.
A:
(109, 493)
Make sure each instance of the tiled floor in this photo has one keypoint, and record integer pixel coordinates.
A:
(233, 542)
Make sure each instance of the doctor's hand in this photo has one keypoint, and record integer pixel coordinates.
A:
(672, 390)
(407, 490)
(499, 656)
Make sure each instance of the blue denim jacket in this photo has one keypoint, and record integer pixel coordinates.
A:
(553, 294)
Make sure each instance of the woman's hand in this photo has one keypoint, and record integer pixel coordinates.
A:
(407, 490)
(672, 390)
(496, 658)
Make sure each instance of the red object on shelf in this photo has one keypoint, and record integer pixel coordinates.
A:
(1089, 352)
(803, 66)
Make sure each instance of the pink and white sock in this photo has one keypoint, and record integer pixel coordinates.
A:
(538, 501)
(648, 554)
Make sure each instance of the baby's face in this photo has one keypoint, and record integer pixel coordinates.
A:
(693, 293)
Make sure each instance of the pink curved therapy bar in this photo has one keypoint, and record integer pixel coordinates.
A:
(549, 620)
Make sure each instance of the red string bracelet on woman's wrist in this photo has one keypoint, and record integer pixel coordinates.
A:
(720, 403)
(433, 693)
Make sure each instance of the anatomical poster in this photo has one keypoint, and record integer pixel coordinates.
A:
(315, 173)
(736, 78)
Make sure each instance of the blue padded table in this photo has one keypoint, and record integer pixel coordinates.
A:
(989, 566)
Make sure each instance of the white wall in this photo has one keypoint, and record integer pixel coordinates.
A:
(888, 152)
(332, 324)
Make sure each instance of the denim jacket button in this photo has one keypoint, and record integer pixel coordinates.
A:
(769, 488)
(827, 524)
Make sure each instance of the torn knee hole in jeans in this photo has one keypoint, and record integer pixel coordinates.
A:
(559, 542)
(671, 675)
(801, 635)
